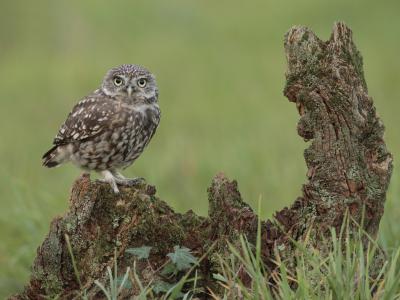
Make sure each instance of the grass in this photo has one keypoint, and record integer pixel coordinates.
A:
(219, 69)
(117, 284)
(341, 273)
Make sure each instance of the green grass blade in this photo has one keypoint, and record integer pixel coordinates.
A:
(115, 273)
(111, 281)
(103, 289)
(73, 260)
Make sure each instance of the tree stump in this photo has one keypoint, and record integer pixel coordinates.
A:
(348, 167)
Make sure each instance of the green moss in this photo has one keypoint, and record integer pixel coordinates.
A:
(361, 159)
(48, 273)
(215, 263)
(101, 245)
(355, 58)
(305, 37)
(319, 73)
(293, 77)
(301, 98)
(321, 55)
(336, 102)
(314, 49)
(382, 153)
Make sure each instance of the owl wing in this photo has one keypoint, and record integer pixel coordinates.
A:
(93, 115)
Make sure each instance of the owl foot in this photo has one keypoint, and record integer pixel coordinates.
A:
(129, 182)
(112, 184)
(109, 179)
(113, 178)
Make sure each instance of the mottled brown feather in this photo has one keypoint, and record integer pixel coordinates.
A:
(110, 127)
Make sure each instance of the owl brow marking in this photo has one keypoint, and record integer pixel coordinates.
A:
(122, 77)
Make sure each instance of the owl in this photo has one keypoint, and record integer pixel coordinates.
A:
(109, 128)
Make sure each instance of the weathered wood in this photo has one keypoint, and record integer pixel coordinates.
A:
(348, 167)
(348, 163)
(98, 221)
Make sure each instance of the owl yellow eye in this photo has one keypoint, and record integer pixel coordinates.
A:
(142, 82)
(117, 81)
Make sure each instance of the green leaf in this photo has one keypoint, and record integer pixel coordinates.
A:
(128, 284)
(180, 295)
(182, 255)
(187, 295)
(183, 264)
(162, 286)
(181, 282)
(169, 268)
(142, 252)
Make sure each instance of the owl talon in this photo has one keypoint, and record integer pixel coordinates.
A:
(130, 182)
(95, 181)
(139, 180)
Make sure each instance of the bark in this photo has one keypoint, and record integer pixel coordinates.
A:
(348, 167)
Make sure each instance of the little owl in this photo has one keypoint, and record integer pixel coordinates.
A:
(109, 128)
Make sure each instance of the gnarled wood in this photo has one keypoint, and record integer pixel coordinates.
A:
(348, 167)
(348, 163)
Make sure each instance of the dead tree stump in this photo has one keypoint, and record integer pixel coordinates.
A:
(348, 167)
(348, 163)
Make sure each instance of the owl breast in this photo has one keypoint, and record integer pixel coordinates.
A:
(137, 145)
(120, 142)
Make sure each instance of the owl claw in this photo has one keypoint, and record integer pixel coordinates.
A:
(130, 182)
(96, 181)
(139, 180)
(119, 194)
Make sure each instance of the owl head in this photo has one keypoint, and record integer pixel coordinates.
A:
(131, 84)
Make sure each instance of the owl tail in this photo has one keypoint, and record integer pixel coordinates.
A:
(55, 157)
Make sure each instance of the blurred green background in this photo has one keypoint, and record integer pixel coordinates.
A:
(219, 68)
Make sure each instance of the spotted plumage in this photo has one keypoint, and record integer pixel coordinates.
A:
(109, 128)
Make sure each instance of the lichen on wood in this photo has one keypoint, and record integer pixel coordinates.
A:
(348, 164)
(98, 221)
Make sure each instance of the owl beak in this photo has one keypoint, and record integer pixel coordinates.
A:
(129, 90)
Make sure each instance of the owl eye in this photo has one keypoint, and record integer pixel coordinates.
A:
(117, 81)
(142, 82)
